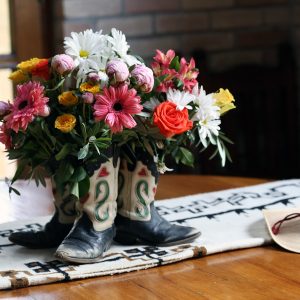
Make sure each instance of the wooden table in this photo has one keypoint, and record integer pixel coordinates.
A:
(257, 273)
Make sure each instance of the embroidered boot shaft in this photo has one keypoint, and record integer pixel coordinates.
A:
(137, 218)
(93, 230)
(137, 188)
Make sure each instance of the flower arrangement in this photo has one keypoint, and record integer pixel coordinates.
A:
(70, 108)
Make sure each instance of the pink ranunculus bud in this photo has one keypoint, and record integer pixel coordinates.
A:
(5, 108)
(88, 97)
(62, 63)
(143, 77)
(117, 70)
(93, 78)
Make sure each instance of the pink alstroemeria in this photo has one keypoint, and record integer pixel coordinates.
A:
(188, 74)
(116, 106)
(164, 59)
(29, 102)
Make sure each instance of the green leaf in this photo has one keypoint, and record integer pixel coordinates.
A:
(20, 169)
(187, 157)
(78, 175)
(175, 63)
(66, 149)
(84, 186)
(11, 189)
(83, 152)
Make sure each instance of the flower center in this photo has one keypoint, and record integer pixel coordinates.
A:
(83, 53)
(23, 104)
(117, 106)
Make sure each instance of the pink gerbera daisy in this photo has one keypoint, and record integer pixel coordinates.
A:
(116, 106)
(29, 102)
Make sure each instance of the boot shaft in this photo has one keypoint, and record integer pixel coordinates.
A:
(137, 187)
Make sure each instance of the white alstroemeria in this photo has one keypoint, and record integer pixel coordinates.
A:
(151, 103)
(84, 47)
(181, 99)
(121, 47)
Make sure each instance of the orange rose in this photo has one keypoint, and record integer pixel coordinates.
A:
(171, 121)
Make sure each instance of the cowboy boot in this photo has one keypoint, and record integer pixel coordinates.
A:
(94, 230)
(56, 229)
(137, 218)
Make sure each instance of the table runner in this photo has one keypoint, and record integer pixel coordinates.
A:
(229, 219)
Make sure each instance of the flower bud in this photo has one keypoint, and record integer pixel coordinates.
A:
(62, 63)
(117, 70)
(5, 108)
(143, 77)
(88, 97)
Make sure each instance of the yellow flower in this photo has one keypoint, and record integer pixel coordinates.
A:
(87, 87)
(67, 98)
(18, 76)
(65, 123)
(224, 99)
(28, 65)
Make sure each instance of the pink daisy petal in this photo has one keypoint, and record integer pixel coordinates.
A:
(116, 106)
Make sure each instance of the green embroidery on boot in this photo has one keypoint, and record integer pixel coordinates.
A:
(139, 187)
(98, 191)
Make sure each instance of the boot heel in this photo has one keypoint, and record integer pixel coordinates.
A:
(125, 238)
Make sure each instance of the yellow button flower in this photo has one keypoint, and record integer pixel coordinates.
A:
(18, 76)
(65, 123)
(67, 98)
(28, 65)
(224, 99)
(87, 87)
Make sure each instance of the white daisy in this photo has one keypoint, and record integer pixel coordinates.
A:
(181, 99)
(121, 47)
(207, 129)
(83, 47)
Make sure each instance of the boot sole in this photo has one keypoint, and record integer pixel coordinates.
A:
(125, 238)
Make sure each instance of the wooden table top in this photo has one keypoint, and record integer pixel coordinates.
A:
(257, 273)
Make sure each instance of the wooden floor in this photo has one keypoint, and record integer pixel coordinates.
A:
(257, 273)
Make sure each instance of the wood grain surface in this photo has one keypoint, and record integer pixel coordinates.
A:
(257, 273)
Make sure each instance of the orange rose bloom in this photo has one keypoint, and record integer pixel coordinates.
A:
(171, 121)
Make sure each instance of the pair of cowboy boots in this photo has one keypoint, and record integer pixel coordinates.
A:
(83, 230)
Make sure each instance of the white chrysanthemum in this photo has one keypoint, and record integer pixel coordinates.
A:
(181, 99)
(207, 129)
(151, 103)
(121, 47)
(207, 115)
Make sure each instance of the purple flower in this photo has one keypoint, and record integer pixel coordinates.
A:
(143, 77)
(88, 97)
(117, 71)
(5, 108)
(62, 63)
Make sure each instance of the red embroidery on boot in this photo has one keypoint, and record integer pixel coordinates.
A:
(103, 172)
(143, 172)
